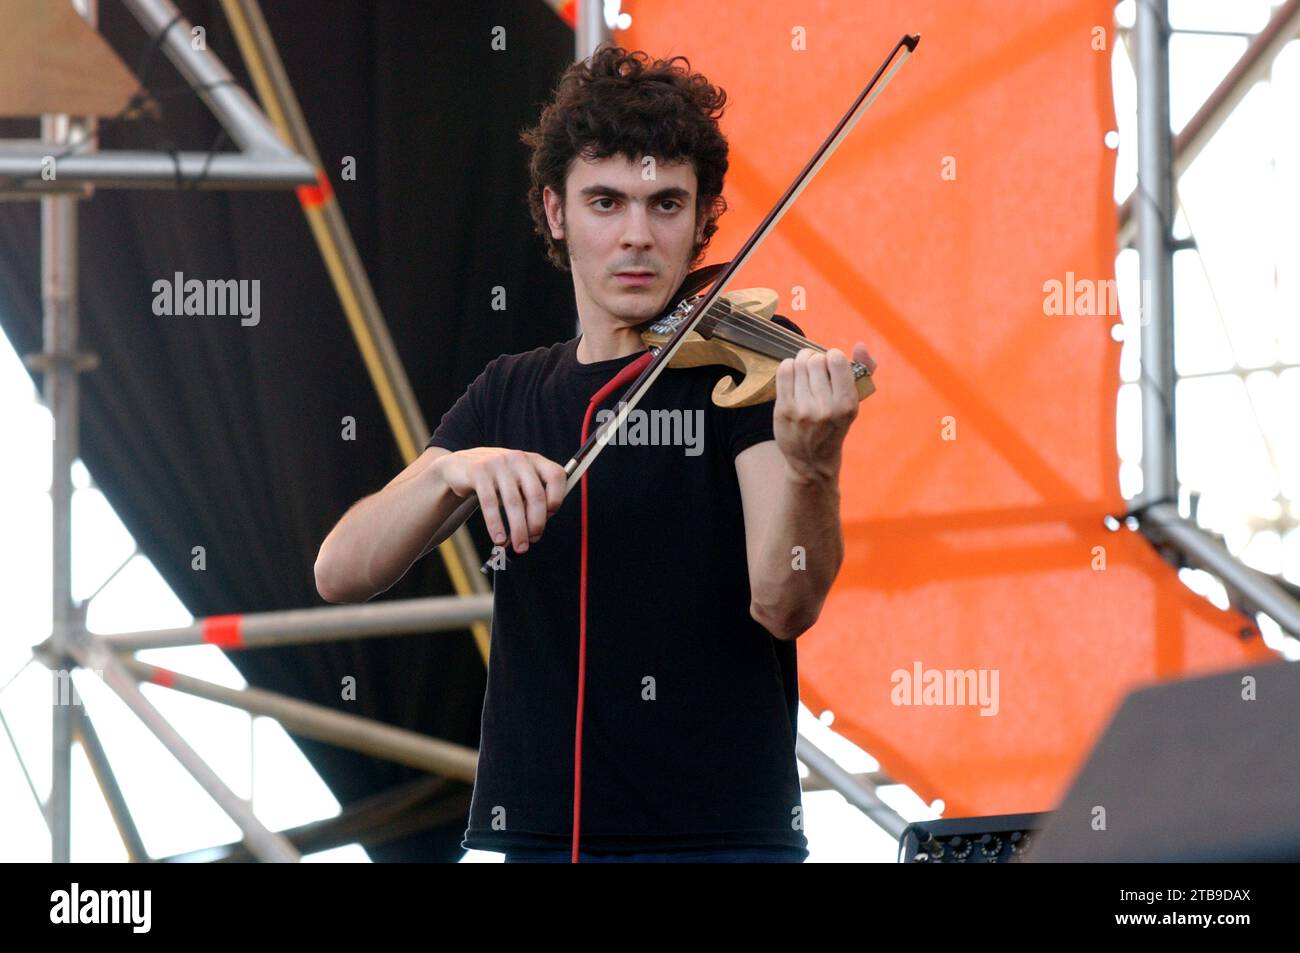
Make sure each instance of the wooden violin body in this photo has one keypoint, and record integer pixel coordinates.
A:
(756, 355)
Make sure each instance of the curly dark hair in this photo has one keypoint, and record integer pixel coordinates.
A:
(620, 103)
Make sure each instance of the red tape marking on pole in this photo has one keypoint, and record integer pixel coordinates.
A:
(223, 630)
(314, 196)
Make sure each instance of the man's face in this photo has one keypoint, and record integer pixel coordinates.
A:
(621, 216)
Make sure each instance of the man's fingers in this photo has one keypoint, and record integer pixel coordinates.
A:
(554, 477)
(513, 504)
(802, 387)
(518, 492)
(534, 498)
(819, 382)
(843, 391)
(861, 356)
(785, 384)
(491, 507)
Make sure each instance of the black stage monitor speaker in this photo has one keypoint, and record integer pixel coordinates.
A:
(1202, 769)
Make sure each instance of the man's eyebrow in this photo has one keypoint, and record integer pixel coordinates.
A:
(672, 192)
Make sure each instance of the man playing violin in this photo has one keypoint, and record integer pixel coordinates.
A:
(701, 569)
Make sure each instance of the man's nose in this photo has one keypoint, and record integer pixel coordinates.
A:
(636, 226)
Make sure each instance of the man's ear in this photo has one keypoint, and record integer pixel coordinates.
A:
(554, 211)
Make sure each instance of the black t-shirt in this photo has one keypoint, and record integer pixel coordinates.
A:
(691, 706)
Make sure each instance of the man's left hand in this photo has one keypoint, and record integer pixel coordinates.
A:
(816, 401)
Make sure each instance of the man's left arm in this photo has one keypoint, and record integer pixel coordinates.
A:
(790, 490)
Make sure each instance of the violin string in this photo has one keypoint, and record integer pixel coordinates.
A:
(782, 340)
(733, 317)
(764, 336)
(753, 338)
(764, 340)
(794, 342)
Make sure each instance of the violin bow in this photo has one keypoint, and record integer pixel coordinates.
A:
(587, 453)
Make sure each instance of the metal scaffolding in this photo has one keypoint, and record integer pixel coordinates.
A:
(1159, 161)
(263, 161)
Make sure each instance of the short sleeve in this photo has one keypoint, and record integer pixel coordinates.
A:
(462, 427)
(746, 426)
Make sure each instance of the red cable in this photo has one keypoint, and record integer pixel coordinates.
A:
(626, 374)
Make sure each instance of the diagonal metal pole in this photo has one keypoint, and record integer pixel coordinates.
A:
(855, 790)
(22, 766)
(1252, 590)
(203, 71)
(412, 807)
(91, 653)
(356, 732)
(117, 806)
(351, 282)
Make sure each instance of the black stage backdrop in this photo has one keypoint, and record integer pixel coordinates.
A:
(205, 432)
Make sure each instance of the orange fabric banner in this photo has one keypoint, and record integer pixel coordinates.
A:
(966, 231)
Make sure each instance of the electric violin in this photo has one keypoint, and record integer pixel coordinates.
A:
(739, 333)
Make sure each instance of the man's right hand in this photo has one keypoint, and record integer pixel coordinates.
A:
(527, 486)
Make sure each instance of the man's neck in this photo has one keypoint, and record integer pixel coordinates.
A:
(606, 344)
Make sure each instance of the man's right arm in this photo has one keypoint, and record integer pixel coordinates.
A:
(382, 535)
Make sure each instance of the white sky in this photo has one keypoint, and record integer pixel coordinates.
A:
(1238, 306)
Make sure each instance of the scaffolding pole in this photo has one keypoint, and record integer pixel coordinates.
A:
(99, 764)
(59, 295)
(303, 626)
(355, 732)
(61, 365)
(858, 792)
(1155, 236)
(1251, 589)
(146, 170)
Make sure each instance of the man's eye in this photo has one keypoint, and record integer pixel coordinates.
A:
(605, 199)
(673, 202)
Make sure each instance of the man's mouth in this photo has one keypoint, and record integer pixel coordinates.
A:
(635, 277)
